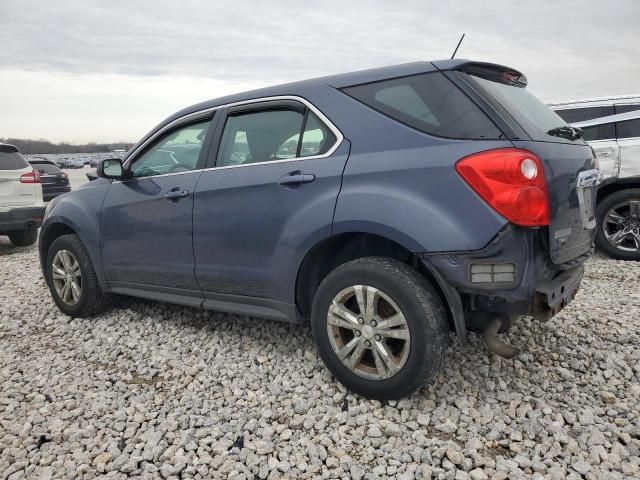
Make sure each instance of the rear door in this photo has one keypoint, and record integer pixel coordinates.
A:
(628, 133)
(268, 197)
(601, 137)
(14, 193)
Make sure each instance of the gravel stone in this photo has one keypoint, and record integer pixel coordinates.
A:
(152, 390)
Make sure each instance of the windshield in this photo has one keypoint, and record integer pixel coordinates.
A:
(532, 115)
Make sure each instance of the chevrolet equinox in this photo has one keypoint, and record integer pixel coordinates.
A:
(387, 207)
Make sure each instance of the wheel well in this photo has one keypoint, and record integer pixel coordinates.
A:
(50, 234)
(616, 187)
(340, 249)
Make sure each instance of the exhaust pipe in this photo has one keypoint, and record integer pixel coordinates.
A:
(490, 337)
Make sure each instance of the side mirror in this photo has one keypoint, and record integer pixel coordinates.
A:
(111, 168)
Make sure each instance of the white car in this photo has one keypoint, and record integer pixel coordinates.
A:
(611, 125)
(21, 205)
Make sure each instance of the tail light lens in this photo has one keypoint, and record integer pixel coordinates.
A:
(32, 177)
(511, 181)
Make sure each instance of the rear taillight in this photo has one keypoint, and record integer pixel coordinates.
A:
(511, 181)
(32, 177)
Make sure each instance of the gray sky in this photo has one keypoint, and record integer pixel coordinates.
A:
(92, 70)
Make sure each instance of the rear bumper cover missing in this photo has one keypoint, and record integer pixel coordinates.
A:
(540, 289)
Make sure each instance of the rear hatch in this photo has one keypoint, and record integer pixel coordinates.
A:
(13, 192)
(50, 175)
(568, 161)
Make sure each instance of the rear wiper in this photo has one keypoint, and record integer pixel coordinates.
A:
(572, 133)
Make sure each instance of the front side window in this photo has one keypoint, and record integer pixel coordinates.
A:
(271, 135)
(177, 151)
(428, 102)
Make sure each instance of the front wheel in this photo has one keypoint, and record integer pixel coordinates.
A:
(72, 278)
(380, 327)
(618, 217)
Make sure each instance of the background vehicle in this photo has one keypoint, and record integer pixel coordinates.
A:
(54, 181)
(21, 205)
(611, 125)
(388, 207)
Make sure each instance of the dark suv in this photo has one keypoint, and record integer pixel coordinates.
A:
(388, 207)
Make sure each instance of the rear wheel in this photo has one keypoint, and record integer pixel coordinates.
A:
(72, 278)
(380, 327)
(24, 238)
(619, 224)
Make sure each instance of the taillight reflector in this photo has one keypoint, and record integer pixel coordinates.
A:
(31, 177)
(511, 181)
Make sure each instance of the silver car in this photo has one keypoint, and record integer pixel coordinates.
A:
(611, 125)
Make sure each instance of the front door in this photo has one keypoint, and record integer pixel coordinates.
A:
(147, 220)
(270, 197)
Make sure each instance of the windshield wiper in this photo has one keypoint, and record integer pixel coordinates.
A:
(572, 133)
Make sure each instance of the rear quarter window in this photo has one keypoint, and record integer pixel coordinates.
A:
(12, 161)
(428, 102)
(628, 129)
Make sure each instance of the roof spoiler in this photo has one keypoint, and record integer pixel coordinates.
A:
(496, 73)
(490, 71)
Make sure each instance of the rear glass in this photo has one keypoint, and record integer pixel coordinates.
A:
(575, 115)
(428, 102)
(532, 115)
(45, 167)
(12, 161)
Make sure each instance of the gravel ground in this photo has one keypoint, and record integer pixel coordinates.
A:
(150, 390)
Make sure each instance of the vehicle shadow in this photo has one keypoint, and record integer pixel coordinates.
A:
(7, 248)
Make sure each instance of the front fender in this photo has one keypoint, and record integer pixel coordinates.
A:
(80, 211)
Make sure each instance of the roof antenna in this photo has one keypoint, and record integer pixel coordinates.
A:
(458, 46)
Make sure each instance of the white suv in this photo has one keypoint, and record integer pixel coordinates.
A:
(611, 125)
(21, 205)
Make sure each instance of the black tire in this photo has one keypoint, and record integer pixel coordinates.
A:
(92, 299)
(24, 238)
(420, 304)
(601, 211)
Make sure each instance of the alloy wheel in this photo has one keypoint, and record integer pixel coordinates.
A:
(368, 332)
(67, 277)
(621, 226)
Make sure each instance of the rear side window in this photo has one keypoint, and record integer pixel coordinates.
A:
(631, 107)
(628, 129)
(428, 102)
(12, 161)
(575, 115)
(599, 132)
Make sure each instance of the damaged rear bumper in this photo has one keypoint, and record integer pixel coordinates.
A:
(512, 276)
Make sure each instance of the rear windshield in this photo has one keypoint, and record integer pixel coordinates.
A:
(532, 115)
(12, 161)
(45, 167)
(428, 102)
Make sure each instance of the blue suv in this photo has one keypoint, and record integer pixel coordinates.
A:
(388, 207)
